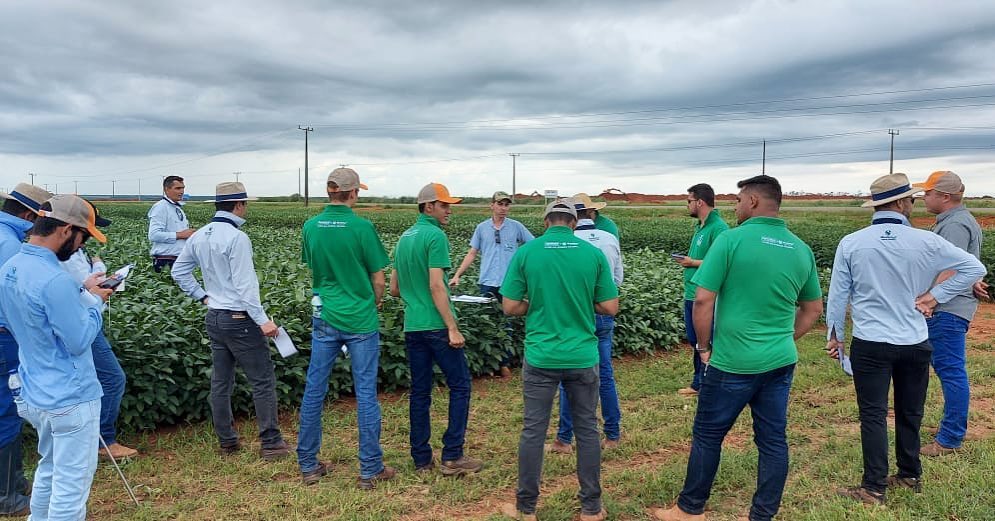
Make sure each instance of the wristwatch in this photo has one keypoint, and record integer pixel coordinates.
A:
(700, 350)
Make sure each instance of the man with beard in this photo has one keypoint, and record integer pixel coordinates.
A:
(19, 212)
(55, 322)
(701, 206)
(885, 274)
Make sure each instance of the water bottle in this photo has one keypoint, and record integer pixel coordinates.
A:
(14, 383)
(316, 306)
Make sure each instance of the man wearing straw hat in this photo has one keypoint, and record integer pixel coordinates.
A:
(885, 274)
(19, 211)
(431, 333)
(347, 260)
(600, 221)
(54, 322)
(236, 321)
(950, 321)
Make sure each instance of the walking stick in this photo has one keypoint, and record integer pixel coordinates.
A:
(119, 473)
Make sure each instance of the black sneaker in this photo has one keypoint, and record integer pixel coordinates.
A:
(911, 483)
(311, 478)
(370, 483)
(230, 449)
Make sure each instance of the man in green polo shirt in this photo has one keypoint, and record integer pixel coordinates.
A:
(766, 286)
(431, 334)
(567, 281)
(701, 206)
(347, 261)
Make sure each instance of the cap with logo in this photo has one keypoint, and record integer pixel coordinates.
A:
(229, 191)
(583, 201)
(345, 179)
(75, 211)
(892, 187)
(566, 206)
(436, 192)
(500, 196)
(28, 195)
(942, 181)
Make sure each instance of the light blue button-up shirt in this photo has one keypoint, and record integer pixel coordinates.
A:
(224, 254)
(53, 326)
(879, 272)
(12, 231)
(165, 219)
(494, 257)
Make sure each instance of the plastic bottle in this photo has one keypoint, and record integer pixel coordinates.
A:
(14, 383)
(316, 306)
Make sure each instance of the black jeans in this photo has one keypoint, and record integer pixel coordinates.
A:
(235, 338)
(539, 387)
(875, 366)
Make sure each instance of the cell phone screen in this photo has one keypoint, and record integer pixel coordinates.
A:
(111, 283)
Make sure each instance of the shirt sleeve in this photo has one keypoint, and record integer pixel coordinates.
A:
(604, 286)
(524, 235)
(812, 290)
(514, 285)
(476, 239)
(438, 252)
(375, 255)
(714, 267)
(182, 273)
(243, 276)
(968, 270)
(74, 323)
(158, 225)
(618, 272)
(840, 284)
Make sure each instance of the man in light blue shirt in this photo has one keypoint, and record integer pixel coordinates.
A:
(885, 273)
(496, 240)
(236, 321)
(55, 320)
(18, 214)
(169, 228)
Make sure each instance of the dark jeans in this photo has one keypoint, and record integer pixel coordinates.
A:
(112, 380)
(426, 348)
(235, 338)
(495, 291)
(948, 336)
(693, 339)
(162, 261)
(721, 399)
(539, 386)
(875, 366)
(13, 485)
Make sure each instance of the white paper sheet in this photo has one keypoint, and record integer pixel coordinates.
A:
(284, 344)
(472, 299)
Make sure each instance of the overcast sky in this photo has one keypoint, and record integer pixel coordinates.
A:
(645, 97)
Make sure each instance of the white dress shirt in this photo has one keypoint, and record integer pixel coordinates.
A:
(165, 219)
(606, 242)
(224, 255)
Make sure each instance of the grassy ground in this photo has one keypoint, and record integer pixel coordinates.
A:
(179, 476)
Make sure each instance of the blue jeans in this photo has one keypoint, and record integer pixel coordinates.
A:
(610, 411)
(112, 380)
(426, 348)
(67, 443)
(364, 355)
(948, 335)
(721, 399)
(692, 339)
(13, 486)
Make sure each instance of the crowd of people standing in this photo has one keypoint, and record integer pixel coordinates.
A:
(750, 292)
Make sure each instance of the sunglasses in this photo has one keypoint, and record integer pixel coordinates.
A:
(497, 236)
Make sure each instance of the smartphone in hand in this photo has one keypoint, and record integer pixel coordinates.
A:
(677, 256)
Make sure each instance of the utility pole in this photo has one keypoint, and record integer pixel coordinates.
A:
(76, 191)
(763, 164)
(514, 161)
(891, 162)
(307, 130)
(236, 175)
(46, 187)
(32, 178)
(298, 181)
(139, 189)
(113, 189)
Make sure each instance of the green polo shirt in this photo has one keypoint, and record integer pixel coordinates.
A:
(702, 240)
(608, 225)
(760, 271)
(342, 251)
(563, 276)
(421, 247)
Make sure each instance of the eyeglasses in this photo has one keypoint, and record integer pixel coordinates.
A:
(497, 236)
(692, 200)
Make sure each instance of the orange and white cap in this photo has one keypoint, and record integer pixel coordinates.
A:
(75, 211)
(942, 181)
(436, 192)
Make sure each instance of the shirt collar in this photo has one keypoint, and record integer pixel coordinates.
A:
(170, 201)
(887, 214)
(712, 216)
(428, 219)
(559, 229)
(40, 251)
(338, 208)
(585, 222)
(948, 213)
(20, 226)
(230, 216)
(770, 221)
